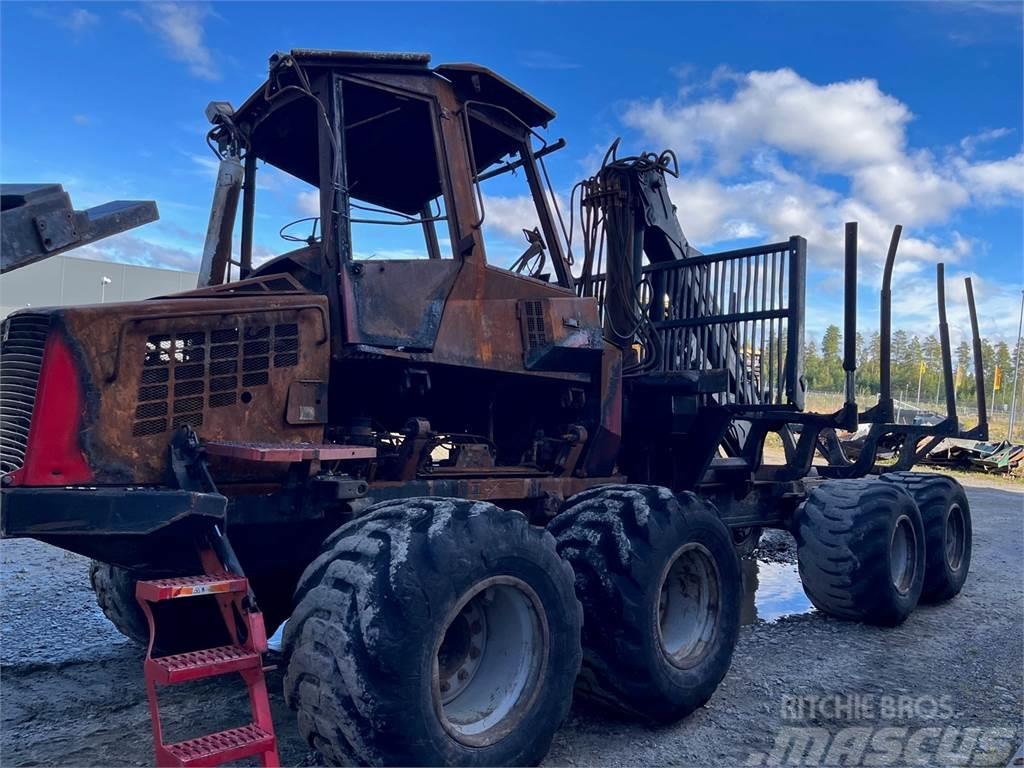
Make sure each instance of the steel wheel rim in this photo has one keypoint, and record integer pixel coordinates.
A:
(689, 605)
(489, 659)
(903, 555)
(740, 535)
(956, 537)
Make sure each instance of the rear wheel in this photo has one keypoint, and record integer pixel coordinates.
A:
(434, 632)
(946, 515)
(861, 550)
(660, 584)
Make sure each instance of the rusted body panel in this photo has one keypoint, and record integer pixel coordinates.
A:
(221, 366)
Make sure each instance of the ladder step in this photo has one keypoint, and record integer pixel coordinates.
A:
(218, 748)
(190, 586)
(208, 662)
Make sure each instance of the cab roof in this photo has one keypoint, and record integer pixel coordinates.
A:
(282, 124)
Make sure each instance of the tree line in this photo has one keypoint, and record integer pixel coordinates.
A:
(916, 362)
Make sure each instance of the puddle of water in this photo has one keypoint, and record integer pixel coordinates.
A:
(771, 591)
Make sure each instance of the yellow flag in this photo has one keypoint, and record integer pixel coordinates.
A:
(997, 380)
(922, 368)
(959, 376)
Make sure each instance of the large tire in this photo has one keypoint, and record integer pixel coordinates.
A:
(182, 625)
(660, 584)
(946, 515)
(115, 595)
(406, 646)
(861, 550)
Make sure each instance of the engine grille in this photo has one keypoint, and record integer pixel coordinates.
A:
(187, 373)
(21, 357)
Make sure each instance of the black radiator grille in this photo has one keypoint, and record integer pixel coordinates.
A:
(186, 373)
(21, 356)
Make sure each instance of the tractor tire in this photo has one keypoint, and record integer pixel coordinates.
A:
(434, 631)
(861, 551)
(746, 539)
(182, 625)
(659, 580)
(115, 595)
(946, 514)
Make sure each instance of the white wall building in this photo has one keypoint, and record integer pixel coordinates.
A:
(70, 280)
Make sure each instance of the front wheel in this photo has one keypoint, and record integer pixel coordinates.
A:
(434, 631)
(660, 584)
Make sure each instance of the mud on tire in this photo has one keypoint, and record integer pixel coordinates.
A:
(660, 584)
(946, 515)
(115, 595)
(426, 593)
(861, 550)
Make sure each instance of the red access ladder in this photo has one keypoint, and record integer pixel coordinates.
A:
(243, 656)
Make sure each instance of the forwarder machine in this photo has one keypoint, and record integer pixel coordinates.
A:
(472, 489)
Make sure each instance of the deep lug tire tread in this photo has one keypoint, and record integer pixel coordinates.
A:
(371, 602)
(115, 595)
(843, 532)
(618, 540)
(934, 495)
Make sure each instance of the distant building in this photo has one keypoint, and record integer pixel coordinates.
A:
(69, 280)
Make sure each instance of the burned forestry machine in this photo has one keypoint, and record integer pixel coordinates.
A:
(468, 489)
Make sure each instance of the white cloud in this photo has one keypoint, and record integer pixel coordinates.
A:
(995, 180)
(308, 203)
(132, 249)
(180, 27)
(912, 190)
(968, 144)
(509, 216)
(206, 163)
(741, 140)
(839, 125)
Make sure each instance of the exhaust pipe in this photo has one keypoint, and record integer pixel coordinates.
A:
(217, 249)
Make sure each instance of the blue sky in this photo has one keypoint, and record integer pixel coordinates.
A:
(787, 118)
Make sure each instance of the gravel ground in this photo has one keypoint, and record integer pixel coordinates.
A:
(948, 684)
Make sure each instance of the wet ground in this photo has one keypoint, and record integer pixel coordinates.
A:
(72, 690)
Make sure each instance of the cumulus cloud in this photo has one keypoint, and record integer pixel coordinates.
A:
(509, 216)
(180, 27)
(997, 179)
(771, 154)
(840, 125)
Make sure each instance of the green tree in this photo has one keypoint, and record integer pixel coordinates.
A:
(900, 344)
(832, 364)
(1004, 361)
(812, 366)
(963, 381)
(931, 351)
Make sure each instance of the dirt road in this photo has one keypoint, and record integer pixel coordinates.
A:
(948, 684)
